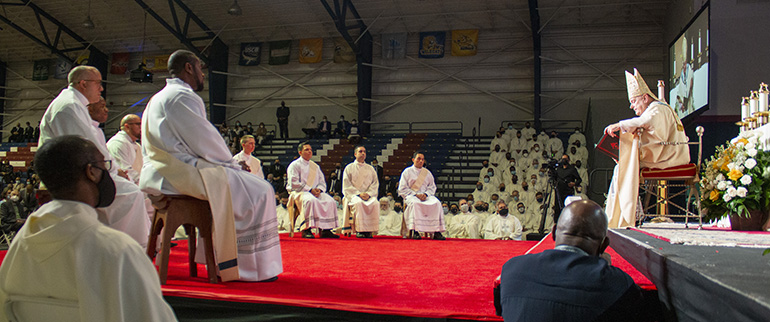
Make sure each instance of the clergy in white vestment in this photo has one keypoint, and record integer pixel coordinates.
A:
(577, 136)
(282, 212)
(497, 141)
(64, 253)
(68, 115)
(255, 165)
(554, 145)
(306, 181)
(185, 155)
(518, 142)
(482, 191)
(124, 149)
(360, 187)
(390, 219)
(423, 210)
(464, 224)
(502, 225)
(527, 131)
(659, 123)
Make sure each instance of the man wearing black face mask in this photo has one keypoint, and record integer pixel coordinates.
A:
(566, 179)
(284, 224)
(502, 226)
(93, 264)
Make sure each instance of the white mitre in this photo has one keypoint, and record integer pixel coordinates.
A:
(636, 86)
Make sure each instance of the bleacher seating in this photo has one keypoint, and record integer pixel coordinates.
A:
(20, 155)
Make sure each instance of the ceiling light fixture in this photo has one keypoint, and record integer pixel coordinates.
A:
(88, 23)
(235, 9)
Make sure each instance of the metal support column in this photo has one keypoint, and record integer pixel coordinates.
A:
(362, 46)
(534, 17)
(2, 94)
(218, 60)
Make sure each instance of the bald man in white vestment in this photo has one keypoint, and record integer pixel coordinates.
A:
(360, 187)
(306, 181)
(502, 226)
(255, 165)
(464, 224)
(185, 155)
(68, 115)
(124, 148)
(423, 210)
(64, 253)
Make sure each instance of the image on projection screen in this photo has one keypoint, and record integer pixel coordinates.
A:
(689, 55)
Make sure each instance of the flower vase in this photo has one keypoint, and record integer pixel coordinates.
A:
(756, 222)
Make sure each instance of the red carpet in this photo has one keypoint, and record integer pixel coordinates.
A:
(386, 275)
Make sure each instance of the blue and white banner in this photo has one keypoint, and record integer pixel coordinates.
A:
(394, 46)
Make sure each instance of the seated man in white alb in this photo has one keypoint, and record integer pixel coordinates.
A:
(502, 225)
(360, 187)
(577, 136)
(185, 155)
(464, 224)
(255, 165)
(390, 219)
(124, 148)
(423, 209)
(306, 181)
(63, 253)
(68, 115)
(284, 224)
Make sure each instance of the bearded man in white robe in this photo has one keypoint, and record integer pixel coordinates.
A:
(185, 155)
(63, 252)
(659, 123)
(255, 165)
(360, 187)
(423, 210)
(306, 182)
(390, 219)
(124, 148)
(68, 115)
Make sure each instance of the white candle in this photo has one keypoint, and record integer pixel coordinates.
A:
(661, 90)
(753, 103)
(763, 96)
(744, 108)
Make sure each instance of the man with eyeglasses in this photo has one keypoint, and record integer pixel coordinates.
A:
(124, 148)
(64, 253)
(68, 115)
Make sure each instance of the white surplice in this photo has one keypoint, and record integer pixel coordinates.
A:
(255, 165)
(176, 119)
(68, 115)
(464, 225)
(320, 212)
(498, 226)
(64, 252)
(359, 178)
(423, 216)
(127, 153)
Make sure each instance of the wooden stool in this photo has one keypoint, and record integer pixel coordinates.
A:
(171, 212)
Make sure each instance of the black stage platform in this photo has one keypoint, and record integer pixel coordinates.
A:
(701, 283)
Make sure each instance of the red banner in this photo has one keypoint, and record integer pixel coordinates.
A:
(119, 63)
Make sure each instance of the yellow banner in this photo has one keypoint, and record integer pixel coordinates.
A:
(465, 42)
(156, 63)
(310, 50)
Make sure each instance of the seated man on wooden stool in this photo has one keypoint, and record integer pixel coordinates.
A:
(64, 253)
(360, 186)
(184, 154)
(423, 210)
(306, 182)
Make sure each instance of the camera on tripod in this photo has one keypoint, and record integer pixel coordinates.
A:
(551, 165)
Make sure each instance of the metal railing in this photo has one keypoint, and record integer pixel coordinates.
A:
(422, 127)
(557, 125)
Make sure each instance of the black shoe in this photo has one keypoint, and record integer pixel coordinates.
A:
(272, 279)
(307, 234)
(327, 233)
(438, 236)
(369, 234)
(415, 235)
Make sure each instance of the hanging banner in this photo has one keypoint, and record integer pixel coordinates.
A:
(342, 51)
(432, 44)
(156, 63)
(394, 46)
(464, 42)
(119, 64)
(251, 54)
(83, 59)
(40, 71)
(62, 68)
(280, 51)
(310, 50)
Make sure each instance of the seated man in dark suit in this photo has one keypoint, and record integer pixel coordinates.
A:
(12, 212)
(574, 281)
